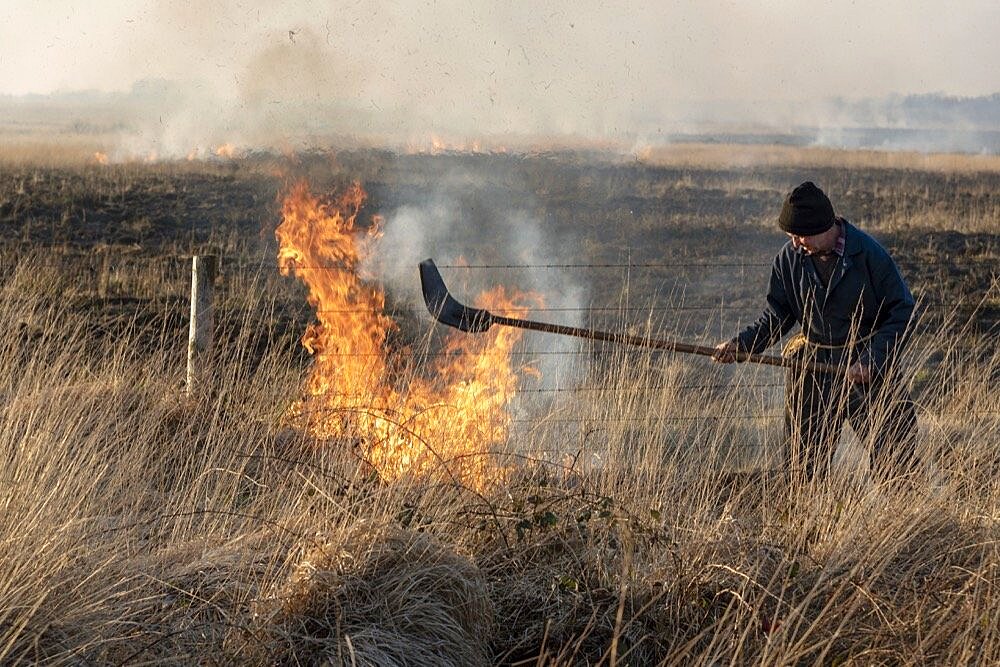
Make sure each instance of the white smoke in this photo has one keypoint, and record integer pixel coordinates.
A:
(302, 72)
(508, 247)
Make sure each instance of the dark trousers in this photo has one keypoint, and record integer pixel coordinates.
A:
(816, 405)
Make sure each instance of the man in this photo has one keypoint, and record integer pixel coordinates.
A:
(854, 308)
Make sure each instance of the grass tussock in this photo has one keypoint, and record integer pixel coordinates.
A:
(379, 597)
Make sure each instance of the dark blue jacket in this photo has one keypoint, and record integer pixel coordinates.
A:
(866, 294)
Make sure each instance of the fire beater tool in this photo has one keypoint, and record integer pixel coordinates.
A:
(447, 310)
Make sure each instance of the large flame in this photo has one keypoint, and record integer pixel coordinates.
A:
(443, 417)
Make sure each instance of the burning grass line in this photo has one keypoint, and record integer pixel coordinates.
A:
(455, 480)
(639, 265)
(383, 413)
(721, 306)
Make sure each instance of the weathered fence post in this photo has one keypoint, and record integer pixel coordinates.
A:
(202, 317)
(104, 273)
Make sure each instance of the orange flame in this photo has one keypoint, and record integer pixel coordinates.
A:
(406, 420)
(438, 145)
(101, 158)
(226, 150)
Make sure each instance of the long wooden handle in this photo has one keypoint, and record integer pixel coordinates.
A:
(661, 344)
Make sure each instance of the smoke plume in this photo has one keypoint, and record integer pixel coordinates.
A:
(502, 245)
(304, 73)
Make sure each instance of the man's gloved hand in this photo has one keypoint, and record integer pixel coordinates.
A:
(859, 373)
(725, 353)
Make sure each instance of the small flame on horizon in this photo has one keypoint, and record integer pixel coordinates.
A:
(226, 150)
(438, 145)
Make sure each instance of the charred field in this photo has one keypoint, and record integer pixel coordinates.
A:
(429, 499)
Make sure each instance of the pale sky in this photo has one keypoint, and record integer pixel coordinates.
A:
(582, 63)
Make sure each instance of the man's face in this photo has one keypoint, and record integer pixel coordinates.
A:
(817, 243)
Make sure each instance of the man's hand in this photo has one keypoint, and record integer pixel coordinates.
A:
(859, 373)
(725, 353)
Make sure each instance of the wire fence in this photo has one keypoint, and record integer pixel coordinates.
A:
(768, 416)
(175, 269)
(98, 259)
(617, 309)
(929, 300)
(552, 419)
(951, 263)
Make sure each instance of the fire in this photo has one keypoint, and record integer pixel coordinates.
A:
(406, 420)
(226, 150)
(101, 158)
(437, 145)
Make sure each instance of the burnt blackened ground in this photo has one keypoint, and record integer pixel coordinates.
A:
(683, 250)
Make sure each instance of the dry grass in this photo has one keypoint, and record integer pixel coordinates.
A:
(139, 526)
(736, 156)
(58, 146)
(383, 596)
(51, 149)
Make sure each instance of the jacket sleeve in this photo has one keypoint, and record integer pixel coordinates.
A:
(894, 315)
(774, 322)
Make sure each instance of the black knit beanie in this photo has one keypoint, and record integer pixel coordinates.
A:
(806, 211)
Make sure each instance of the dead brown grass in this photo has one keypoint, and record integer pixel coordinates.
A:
(141, 527)
(373, 596)
(738, 156)
(61, 149)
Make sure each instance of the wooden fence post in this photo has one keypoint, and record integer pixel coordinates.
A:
(203, 269)
(104, 273)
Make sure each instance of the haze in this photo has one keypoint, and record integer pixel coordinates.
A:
(586, 68)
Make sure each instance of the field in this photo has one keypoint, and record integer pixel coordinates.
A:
(485, 499)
